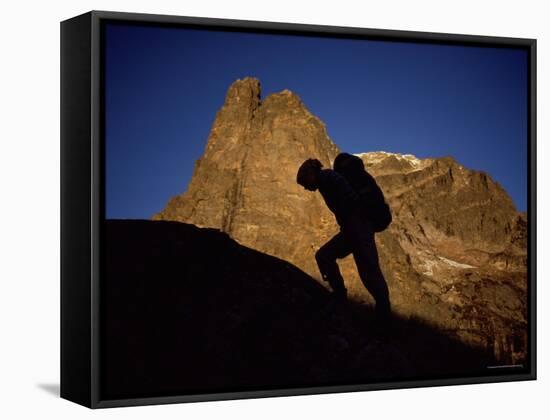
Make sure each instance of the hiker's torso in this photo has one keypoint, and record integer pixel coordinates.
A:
(339, 196)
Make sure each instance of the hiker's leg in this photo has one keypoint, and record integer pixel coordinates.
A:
(365, 255)
(326, 257)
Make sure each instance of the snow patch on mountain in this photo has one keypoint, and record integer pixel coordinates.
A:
(374, 158)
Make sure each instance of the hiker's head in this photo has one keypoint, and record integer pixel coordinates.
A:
(308, 174)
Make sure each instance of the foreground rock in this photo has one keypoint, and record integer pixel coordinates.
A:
(189, 310)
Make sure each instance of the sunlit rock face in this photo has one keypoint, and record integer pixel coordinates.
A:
(455, 254)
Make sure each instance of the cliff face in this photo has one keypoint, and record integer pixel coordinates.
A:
(456, 250)
(454, 256)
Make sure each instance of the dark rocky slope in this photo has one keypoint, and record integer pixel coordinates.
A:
(189, 310)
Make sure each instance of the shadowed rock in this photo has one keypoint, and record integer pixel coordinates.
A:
(189, 310)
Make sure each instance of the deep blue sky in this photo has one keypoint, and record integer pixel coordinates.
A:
(164, 86)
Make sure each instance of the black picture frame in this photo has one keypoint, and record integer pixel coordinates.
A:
(82, 198)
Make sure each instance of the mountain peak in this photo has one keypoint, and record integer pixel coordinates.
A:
(284, 99)
(286, 93)
(246, 91)
(246, 81)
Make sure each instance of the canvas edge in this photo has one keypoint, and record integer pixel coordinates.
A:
(75, 201)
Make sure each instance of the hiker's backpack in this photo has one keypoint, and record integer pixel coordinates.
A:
(373, 204)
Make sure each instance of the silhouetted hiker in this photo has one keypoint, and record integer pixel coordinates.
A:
(356, 235)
